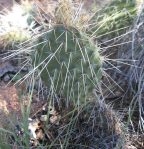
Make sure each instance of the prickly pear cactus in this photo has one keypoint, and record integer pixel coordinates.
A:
(115, 18)
(69, 63)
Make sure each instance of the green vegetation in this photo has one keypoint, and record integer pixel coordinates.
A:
(69, 62)
(114, 19)
(65, 54)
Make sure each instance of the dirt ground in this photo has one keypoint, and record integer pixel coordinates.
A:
(9, 105)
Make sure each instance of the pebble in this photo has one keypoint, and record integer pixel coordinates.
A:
(6, 78)
(25, 69)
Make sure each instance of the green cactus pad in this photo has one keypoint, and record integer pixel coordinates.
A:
(69, 63)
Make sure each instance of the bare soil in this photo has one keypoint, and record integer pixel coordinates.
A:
(9, 105)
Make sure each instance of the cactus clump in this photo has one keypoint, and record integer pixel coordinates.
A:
(114, 18)
(69, 62)
(13, 37)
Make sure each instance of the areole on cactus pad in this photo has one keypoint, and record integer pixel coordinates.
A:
(68, 61)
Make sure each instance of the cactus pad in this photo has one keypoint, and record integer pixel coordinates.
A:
(69, 63)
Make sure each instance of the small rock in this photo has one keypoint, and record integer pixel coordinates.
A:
(25, 69)
(44, 118)
(6, 78)
(5, 68)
